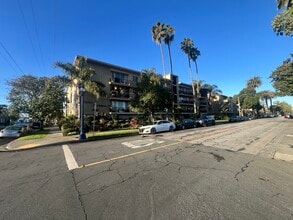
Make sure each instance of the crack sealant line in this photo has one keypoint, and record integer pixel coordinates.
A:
(127, 155)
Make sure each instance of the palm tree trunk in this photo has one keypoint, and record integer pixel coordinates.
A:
(163, 60)
(171, 65)
(192, 85)
(171, 78)
(267, 103)
(197, 86)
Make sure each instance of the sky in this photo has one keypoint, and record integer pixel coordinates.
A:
(234, 37)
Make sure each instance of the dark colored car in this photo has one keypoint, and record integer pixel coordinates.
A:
(185, 123)
(234, 118)
(206, 120)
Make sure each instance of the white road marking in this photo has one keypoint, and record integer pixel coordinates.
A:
(141, 143)
(70, 160)
(289, 135)
(286, 157)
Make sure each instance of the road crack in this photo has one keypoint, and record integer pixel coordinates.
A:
(243, 169)
(78, 194)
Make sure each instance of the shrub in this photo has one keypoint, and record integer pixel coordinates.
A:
(68, 124)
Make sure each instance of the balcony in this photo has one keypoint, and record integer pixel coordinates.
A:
(118, 109)
(121, 82)
(184, 92)
(119, 95)
(186, 102)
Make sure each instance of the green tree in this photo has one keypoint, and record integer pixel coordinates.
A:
(282, 107)
(213, 91)
(82, 73)
(283, 22)
(41, 97)
(151, 94)
(158, 33)
(249, 99)
(254, 82)
(168, 37)
(282, 78)
(267, 97)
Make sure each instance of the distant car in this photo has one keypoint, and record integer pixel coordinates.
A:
(158, 126)
(11, 131)
(205, 120)
(288, 116)
(36, 125)
(233, 118)
(185, 123)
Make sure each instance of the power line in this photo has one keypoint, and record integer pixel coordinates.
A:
(11, 57)
(9, 63)
(37, 34)
(29, 35)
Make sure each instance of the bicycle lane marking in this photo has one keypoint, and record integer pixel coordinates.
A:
(70, 160)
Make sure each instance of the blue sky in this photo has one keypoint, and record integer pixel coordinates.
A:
(234, 36)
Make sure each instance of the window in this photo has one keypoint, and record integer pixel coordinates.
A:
(135, 78)
(119, 106)
(119, 77)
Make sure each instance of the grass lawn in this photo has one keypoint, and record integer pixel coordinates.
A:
(34, 135)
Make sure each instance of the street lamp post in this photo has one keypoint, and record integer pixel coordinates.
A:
(82, 135)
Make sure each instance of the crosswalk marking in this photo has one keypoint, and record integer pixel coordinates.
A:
(70, 160)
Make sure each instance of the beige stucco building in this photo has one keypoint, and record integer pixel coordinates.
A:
(119, 82)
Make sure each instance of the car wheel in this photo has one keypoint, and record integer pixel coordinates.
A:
(171, 128)
(183, 127)
(153, 131)
(204, 124)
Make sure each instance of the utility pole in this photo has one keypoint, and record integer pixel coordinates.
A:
(95, 111)
(82, 135)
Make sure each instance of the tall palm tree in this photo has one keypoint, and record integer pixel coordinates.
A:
(254, 82)
(284, 4)
(82, 74)
(264, 95)
(158, 32)
(194, 53)
(168, 37)
(186, 46)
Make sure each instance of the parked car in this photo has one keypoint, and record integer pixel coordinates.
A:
(288, 116)
(185, 123)
(158, 126)
(233, 118)
(11, 131)
(36, 125)
(206, 120)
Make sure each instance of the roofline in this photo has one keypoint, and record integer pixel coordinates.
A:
(93, 61)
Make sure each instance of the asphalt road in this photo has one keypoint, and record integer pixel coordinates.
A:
(232, 171)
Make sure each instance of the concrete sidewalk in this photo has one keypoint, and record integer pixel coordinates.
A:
(54, 137)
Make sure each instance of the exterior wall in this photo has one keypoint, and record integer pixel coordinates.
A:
(119, 83)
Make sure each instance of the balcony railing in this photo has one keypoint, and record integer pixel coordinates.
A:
(186, 102)
(121, 81)
(184, 92)
(119, 109)
(120, 95)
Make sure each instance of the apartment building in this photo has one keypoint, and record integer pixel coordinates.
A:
(119, 83)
